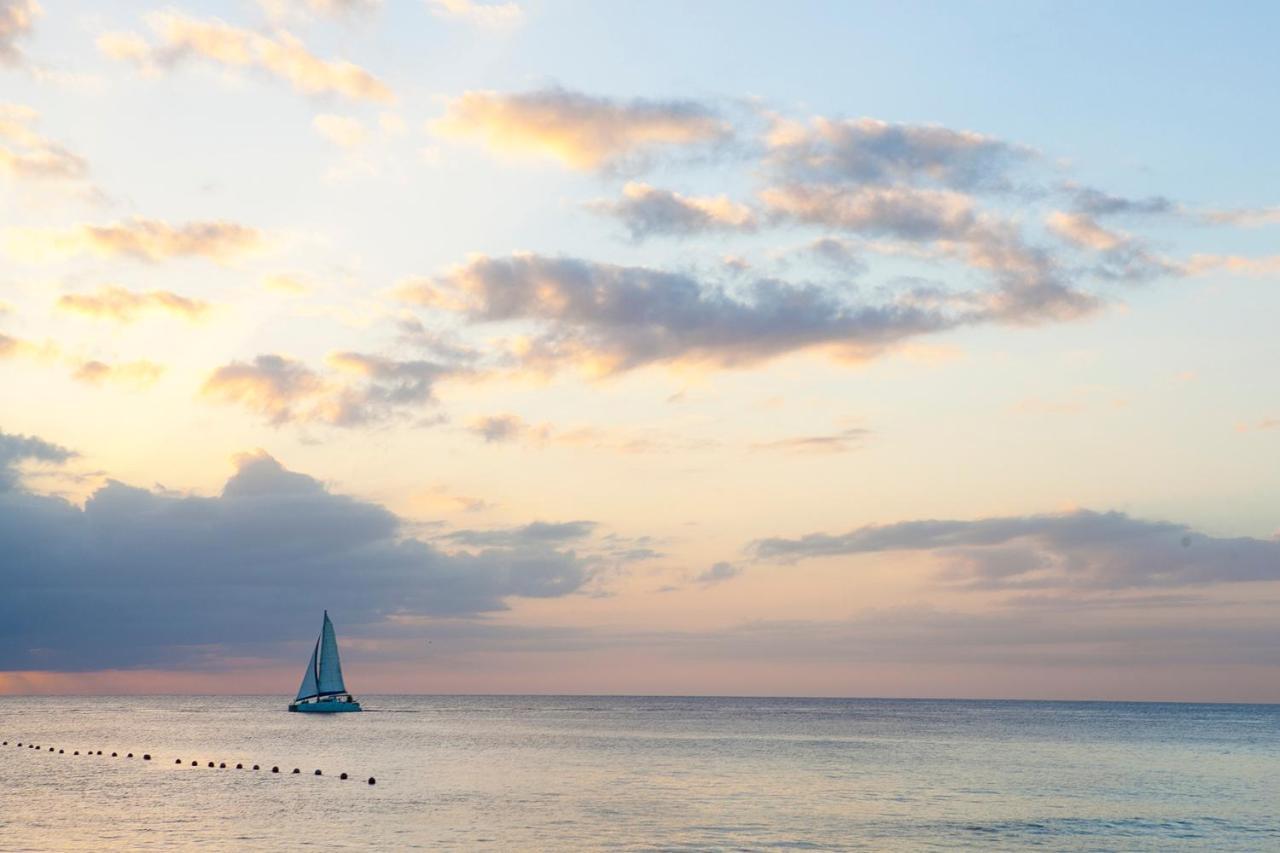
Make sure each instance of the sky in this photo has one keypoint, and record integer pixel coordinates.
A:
(820, 349)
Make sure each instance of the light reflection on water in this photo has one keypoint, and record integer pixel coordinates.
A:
(643, 773)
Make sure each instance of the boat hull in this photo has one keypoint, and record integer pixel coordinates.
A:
(325, 707)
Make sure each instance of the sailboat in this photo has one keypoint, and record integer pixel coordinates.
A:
(322, 690)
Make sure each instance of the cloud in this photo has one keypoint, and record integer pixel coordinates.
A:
(343, 131)
(361, 389)
(497, 15)
(902, 212)
(179, 37)
(1120, 257)
(138, 577)
(283, 10)
(868, 151)
(647, 211)
(1268, 266)
(1255, 217)
(276, 387)
(608, 319)
(535, 533)
(125, 306)
(496, 429)
(1031, 285)
(582, 131)
(840, 442)
(718, 573)
(1094, 202)
(11, 347)
(26, 154)
(836, 253)
(140, 239)
(139, 374)
(17, 20)
(1083, 231)
(511, 429)
(1075, 550)
(288, 284)
(17, 449)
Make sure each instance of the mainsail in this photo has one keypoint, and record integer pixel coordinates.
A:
(330, 667)
(324, 673)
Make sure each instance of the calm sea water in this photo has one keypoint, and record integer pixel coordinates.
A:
(640, 773)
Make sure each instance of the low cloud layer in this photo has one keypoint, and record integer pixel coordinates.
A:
(582, 131)
(178, 37)
(147, 578)
(1076, 550)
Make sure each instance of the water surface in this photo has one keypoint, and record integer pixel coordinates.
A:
(640, 773)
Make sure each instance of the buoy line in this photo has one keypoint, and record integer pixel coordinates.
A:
(146, 756)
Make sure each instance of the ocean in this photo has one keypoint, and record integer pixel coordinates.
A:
(638, 773)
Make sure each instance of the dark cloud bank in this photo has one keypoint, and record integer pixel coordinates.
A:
(148, 578)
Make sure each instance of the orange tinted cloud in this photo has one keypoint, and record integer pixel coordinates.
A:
(485, 14)
(363, 388)
(141, 239)
(582, 131)
(1082, 230)
(282, 55)
(1234, 264)
(24, 153)
(17, 19)
(136, 373)
(125, 306)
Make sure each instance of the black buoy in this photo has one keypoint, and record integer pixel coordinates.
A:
(275, 769)
(177, 761)
(318, 773)
(59, 751)
(210, 763)
(296, 770)
(146, 756)
(99, 752)
(51, 749)
(113, 755)
(256, 767)
(222, 765)
(130, 755)
(342, 775)
(239, 766)
(77, 752)
(195, 763)
(372, 781)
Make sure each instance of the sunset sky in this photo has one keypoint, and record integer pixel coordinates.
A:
(912, 349)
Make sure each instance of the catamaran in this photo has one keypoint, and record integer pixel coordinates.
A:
(322, 690)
